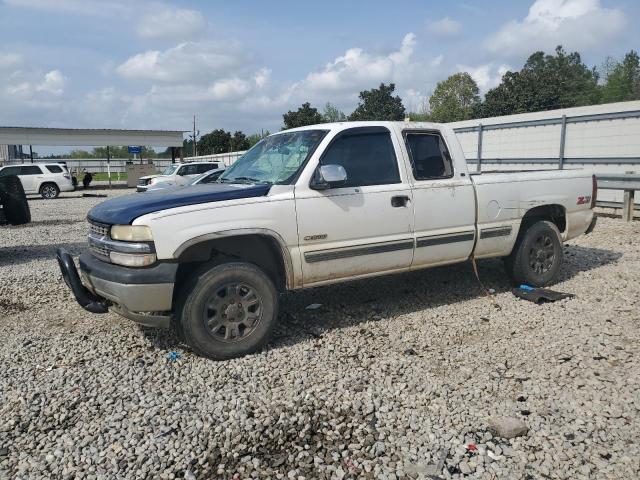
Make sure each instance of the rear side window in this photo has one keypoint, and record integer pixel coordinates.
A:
(188, 170)
(30, 170)
(5, 172)
(54, 168)
(366, 154)
(205, 167)
(429, 156)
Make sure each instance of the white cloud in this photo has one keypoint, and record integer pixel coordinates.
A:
(29, 84)
(53, 83)
(486, 76)
(175, 24)
(437, 61)
(9, 61)
(581, 25)
(262, 77)
(189, 62)
(445, 27)
(358, 68)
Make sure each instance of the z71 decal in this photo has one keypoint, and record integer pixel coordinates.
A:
(583, 200)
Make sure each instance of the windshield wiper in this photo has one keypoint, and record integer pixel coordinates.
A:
(243, 180)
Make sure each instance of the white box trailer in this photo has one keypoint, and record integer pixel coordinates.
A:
(602, 138)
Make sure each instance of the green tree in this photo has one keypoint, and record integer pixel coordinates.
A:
(379, 104)
(546, 82)
(256, 137)
(217, 141)
(305, 115)
(333, 114)
(239, 142)
(187, 148)
(622, 80)
(454, 99)
(122, 152)
(79, 154)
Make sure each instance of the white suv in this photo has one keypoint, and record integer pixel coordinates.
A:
(46, 179)
(177, 174)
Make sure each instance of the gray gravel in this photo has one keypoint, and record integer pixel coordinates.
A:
(387, 378)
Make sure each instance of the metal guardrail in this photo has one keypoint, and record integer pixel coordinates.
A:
(628, 183)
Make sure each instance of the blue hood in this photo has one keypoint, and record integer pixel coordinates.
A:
(123, 210)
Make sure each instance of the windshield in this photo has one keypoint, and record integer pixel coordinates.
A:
(170, 169)
(275, 159)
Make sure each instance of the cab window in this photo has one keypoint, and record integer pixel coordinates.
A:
(429, 156)
(367, 155)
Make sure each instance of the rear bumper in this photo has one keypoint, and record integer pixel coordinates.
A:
(141, 188)
(67, 187)
(143, 295)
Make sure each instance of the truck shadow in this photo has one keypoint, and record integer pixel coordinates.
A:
(20, 254)
(380, 299)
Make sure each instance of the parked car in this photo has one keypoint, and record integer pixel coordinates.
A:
(313, 206)
(46, 179)
(177, 173)
(14, 208)
(207, 177)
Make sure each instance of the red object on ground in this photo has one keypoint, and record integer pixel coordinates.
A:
(472, 447)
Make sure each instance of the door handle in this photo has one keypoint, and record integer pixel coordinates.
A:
(399, 201)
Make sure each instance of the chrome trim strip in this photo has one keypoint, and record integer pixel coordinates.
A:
(495, 232)
(347, 252)
(115, 246)
(445, 238)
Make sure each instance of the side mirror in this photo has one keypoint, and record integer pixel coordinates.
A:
(328, 176)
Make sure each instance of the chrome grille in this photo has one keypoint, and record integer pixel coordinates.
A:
(99, 229)
(103, 252)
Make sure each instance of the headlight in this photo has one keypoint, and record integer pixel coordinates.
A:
(131, 233)
(132, 259)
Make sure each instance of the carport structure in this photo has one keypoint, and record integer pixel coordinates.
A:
(68, 137)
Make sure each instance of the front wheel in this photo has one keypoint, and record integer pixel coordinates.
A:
(537, 257)
(228, 310)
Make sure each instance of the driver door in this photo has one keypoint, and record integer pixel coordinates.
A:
(364, 226)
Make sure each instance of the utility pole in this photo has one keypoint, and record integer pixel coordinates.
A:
(195, 147)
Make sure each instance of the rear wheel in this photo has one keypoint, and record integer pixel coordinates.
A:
(49, 190)
(537, 257)
(228, 310)
(14, 201)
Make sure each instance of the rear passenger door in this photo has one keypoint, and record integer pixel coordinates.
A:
(444, 201)
(365, 225)
(31, 176)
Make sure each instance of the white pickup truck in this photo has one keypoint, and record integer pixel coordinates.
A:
(312, 206)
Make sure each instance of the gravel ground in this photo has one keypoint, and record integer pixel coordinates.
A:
(385, 379)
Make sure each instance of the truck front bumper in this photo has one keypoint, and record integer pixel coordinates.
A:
(143, 295)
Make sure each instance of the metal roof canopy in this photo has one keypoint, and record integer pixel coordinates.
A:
(89, 137)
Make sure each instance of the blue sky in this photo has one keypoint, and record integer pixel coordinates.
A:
(241, 64)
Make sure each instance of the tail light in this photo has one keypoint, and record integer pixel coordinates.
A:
(594, 191)
(67, 176)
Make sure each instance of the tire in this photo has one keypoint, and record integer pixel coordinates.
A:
(537, 257)
(228, 310)
(14, 201)
(49, 191)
